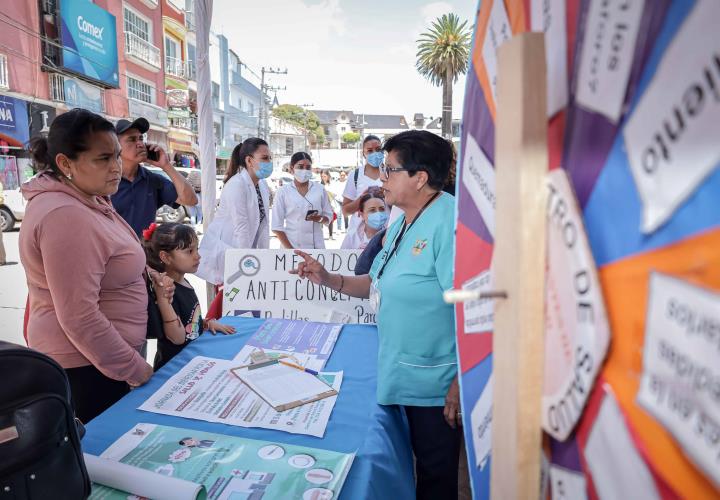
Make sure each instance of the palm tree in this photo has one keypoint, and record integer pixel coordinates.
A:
(442, 56)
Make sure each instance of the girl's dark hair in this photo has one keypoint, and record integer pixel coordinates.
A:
(372, 192)
(242, 151)
(70, 134)
(167, 237)
(325, 172)
(371, 138)
(299, 156)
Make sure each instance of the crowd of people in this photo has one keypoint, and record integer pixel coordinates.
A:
(103, 277)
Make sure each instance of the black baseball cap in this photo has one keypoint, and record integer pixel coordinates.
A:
(140, 124)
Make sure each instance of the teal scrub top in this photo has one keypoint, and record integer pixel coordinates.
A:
(416, 328)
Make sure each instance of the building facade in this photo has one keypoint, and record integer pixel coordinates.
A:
(335, 124)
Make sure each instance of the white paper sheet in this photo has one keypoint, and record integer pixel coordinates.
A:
(280, 385)
(481, 421)
(206, 390)
(617, 469)
(549, 17)
(479, 314)
(606, 58)
(672, 134)
(681, 373)
(498, 31)
(567, 484)
(479, 178)
(140, 482)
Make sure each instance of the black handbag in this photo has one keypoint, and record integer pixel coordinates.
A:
(40, 452)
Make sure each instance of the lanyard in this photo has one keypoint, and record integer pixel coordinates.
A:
(402, 233)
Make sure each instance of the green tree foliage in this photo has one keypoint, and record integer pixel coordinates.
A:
(351, 137)
(301, 118)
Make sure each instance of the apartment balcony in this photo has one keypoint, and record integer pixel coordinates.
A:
(177, 67)
(142, 50)
(190, 20)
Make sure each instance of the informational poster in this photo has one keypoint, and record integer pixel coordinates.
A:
(498, 31)
(205, 389)
(258, 283)
(577, 334)
(479, 313)
(671, 135)
(680, 383)
(312, 342)
(481, 418)
(230, 468)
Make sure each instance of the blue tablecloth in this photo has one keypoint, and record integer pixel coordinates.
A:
(379, 435)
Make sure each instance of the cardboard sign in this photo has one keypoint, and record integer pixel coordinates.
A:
(498, 31)
(680, 384)
(611, 31)
(478, 314)
(577, 333)
(671, 137)
(258, 283)
(481, 422)
(548, 16)
(479, 179)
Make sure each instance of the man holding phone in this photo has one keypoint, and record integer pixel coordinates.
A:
(142, 192)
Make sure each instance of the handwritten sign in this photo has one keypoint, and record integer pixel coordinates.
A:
(611, 31)
(479, 179)
(680, 384)
(566, 484)
(258, 283)
(671, 137)
(576, 332)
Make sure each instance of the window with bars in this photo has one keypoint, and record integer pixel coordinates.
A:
(136, 25)
(140, 90)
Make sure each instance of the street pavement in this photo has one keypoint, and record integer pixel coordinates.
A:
(13, 288)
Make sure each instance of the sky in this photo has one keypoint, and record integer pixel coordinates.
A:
(356, 55)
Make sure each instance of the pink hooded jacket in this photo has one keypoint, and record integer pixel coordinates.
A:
(84, 265)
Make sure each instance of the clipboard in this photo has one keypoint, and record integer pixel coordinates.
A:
(283, 387)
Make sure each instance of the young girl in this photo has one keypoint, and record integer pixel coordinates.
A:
(172, 249)
(374, 216)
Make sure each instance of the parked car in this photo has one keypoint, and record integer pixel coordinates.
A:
(12, 210)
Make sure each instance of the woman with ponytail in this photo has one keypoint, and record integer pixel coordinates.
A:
(84, 264)
(242, 218)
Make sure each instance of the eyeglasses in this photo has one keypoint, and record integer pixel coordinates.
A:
(385, 171)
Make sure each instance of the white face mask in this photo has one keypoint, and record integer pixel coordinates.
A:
(302, 176)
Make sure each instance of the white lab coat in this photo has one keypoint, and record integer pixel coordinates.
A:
(236, 224)
(290, 209)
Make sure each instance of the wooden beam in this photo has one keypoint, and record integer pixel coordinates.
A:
(521, 162)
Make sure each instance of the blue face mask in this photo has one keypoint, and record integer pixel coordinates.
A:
(265, 170)
(375, 159)
(377, 220)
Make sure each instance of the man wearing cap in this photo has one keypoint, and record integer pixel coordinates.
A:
(142, 192)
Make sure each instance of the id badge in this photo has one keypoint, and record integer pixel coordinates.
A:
(374, 296)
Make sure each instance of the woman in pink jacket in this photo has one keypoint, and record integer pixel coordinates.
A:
(84, 264)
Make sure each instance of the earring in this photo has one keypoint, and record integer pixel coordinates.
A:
(69, 177)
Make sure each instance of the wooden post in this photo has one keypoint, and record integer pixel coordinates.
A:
(521, 162)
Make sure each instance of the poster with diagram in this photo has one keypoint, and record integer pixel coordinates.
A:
(230, 468)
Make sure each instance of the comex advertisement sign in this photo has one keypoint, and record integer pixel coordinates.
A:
(89, 41)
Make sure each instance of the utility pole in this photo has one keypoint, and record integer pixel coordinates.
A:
(263, 115)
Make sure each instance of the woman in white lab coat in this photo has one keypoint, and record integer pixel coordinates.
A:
(242, 218)
(301, 208)
(374, 217)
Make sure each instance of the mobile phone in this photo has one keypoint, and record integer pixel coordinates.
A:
(152, 155)
(310, 213)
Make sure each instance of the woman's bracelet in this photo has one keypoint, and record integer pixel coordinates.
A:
(342, 283)
(176, 318)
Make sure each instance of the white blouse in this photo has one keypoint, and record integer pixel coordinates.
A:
(289, 211)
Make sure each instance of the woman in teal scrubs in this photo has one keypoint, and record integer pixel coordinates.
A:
(417, 363)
